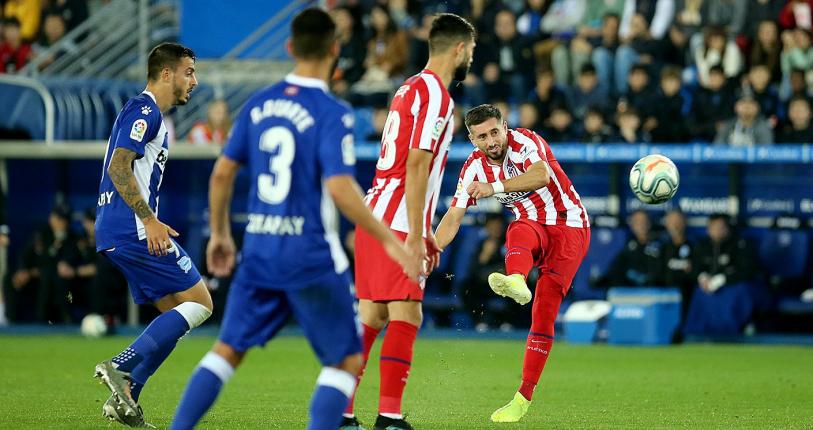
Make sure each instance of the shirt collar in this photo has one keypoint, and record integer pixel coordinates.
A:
(306, 82)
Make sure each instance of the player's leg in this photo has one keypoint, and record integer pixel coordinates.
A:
(252, 317)
(374, 317)
(328, 318)
(525, 246)
(195, 306)
(406, 317)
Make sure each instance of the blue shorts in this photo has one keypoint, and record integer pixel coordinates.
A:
(326, 312)
(152, 277)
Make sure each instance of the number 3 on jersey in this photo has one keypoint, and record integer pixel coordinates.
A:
(273, 188)
(387, 158)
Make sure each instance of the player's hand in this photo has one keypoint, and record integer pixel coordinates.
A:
(433, 251)
(158, 234)
(220, 252)
(480, 190)
(411, 264)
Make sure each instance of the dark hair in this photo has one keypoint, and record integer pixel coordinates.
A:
(62, 211)
(11, 21)
(448, 30)
(670, 72)
(639, 68)
(544, 70)
(166, 55)
(799, 98)
(717, 69)
(594, 110)
(480, 114)
(588, 69)
(719, 216)
(312, 34)
(611, 15)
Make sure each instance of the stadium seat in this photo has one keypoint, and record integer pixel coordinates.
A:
(605, 244)
(784, 255)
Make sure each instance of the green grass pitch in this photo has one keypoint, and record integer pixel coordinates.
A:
(45, 383)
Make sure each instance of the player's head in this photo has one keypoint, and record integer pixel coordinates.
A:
(488, 131)
(718, 227)
(453, 36)
(313, 37)
(173, 65)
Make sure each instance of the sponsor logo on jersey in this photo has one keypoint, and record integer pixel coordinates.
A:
(161, 158)
(139, 130)
(185, 263)
(508, 198)
(275, 225)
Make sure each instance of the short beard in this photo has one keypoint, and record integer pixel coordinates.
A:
(461, 71)
(178, 93)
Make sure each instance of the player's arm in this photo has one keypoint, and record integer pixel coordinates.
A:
(352, 206)
(121, 174)
(220, 250)
(449, 226)
(417, 180)
(536, 177)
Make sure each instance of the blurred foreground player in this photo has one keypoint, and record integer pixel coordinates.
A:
(551, 230)
(296, 140)
(414, 149)
(130, 235)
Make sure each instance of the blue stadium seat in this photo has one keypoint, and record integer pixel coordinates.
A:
(605, 244)
(25, 112)
(784, 253)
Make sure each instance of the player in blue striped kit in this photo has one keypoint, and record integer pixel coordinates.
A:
(129, 233)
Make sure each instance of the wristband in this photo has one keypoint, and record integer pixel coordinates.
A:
(498, 187)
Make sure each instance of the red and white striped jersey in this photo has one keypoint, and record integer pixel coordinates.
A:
(557, 203)
(420, 117)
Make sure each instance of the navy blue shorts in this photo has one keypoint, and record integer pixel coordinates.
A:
(152, 277)
(326, 311)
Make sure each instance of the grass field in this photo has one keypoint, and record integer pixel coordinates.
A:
(45, 383)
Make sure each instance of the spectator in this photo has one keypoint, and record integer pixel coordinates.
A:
(528, 116)
(722, 263)
(387, 56)
(604, 49)
(629, 127)
(728, 14)
(760, 11)
(350, 65)
(419, 46)
(659, 13)
(73, 12)
(717, 50)
(796, 86)
(798, 54)
(799, 128)
(529, 24)
(27, 13)
(766, 95)
(379, 122)
(766, 50)
(14, 53)
(53, 30)
(587, 92)
(676, 256)
(560, 126)
(546, 95)
(638, 264)
(711, 106)
(4, 242)
(639, 47)
(215, 129)
(505, 110)
(595, 129)
(748, 128)
(639, 95)
(508, 60)
(797, 14)
(670, 122)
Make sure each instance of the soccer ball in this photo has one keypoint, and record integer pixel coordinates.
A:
(93, 325)
(654, 179)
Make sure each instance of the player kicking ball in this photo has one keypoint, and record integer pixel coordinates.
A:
(130, 235)
(296, 141)
(551, 230)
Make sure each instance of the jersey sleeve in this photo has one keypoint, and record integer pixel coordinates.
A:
(138, 124)
(461, 198)
(237, 145)
(430, 117)
(533, 148)
(337, 154)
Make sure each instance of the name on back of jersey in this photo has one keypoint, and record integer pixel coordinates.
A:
(282, 108)
(275, 225)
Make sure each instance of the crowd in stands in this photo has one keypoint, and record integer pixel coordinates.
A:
(29, 27)
(737, 72)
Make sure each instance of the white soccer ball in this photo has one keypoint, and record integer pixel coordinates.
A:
(654, 179)
(93, 325)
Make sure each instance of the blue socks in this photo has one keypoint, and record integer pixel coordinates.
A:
(162, 333)
(142, 372)
(334, 388)
(202, 390)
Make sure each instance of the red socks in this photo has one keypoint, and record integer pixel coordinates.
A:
(367, 341)
(540, 339)
(521, 241)
(396, 360)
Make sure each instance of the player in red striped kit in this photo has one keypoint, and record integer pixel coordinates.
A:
(414, 148)
(551, 230)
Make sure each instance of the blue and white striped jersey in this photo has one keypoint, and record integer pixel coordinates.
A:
(140, 128)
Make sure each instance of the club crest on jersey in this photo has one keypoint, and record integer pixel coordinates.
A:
(438, 128)
(146, 110)
(139, 130)
(185, 263)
